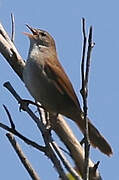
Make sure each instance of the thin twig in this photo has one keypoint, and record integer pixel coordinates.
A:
(88, 61)
(13, 28)
(84, 97)
(22, 157)
(9, 117)
(83, 55)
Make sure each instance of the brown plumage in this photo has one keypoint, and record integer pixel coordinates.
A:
(48, 83)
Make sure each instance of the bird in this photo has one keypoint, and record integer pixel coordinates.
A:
(47, 82)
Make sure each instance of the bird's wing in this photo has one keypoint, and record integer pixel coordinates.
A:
(56, 73)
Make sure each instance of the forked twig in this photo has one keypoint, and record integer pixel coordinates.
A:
(84, 93)
(10, 118)
(18, 134)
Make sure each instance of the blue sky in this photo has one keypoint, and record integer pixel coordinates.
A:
(63, 20)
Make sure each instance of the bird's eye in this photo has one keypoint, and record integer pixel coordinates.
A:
(43, 34)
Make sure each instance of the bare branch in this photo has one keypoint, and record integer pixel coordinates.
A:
(22, 157)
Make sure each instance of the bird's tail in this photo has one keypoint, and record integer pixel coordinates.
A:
(96, 139)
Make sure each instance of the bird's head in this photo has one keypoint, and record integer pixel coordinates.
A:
(40, 37)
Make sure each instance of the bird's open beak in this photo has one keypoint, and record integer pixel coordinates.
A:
(33, 30)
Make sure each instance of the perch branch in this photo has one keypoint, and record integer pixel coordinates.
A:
(58, 151)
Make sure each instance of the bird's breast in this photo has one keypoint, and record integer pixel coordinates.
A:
(32, 76)
(39, 85)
